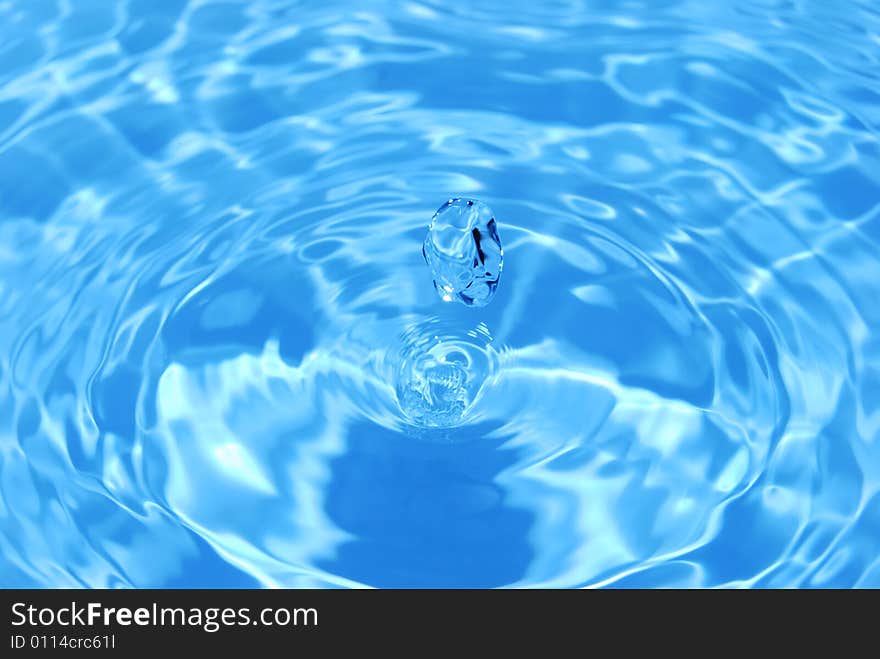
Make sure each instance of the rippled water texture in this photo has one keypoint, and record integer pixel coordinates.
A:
(220, 347)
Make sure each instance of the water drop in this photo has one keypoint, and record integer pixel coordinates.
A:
(464, 252)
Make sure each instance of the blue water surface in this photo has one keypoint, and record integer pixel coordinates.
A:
(223, 362)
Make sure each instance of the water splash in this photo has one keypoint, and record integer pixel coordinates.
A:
(464, 252)
(441, 372)
(202, 303)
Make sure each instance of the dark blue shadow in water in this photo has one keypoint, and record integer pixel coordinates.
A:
(426, 513)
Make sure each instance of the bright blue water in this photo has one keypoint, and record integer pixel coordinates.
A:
(222, 360)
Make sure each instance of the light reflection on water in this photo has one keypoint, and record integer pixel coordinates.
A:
(211, 216)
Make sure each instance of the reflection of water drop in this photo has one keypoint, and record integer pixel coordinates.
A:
(441, 371)
(464, 252)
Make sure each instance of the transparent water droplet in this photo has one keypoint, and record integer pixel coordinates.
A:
(440, 372)
(464, 252)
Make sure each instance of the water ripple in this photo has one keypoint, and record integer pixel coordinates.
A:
(222, 361)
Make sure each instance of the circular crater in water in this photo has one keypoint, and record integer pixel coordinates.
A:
(440, 371)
